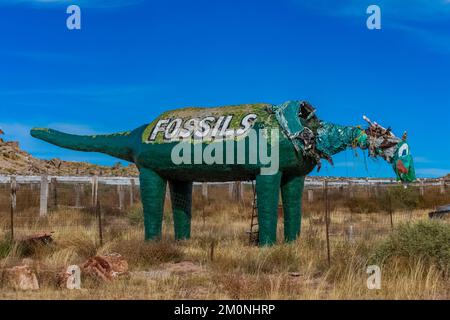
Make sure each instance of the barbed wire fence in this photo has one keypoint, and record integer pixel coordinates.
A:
(332, 209)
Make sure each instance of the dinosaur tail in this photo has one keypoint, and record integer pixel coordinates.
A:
(116, 145)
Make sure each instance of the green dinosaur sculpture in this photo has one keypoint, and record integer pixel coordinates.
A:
(232, 144)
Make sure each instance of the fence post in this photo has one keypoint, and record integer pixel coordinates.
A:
(391, 214)
(230, 189)
(442, 187)
(205, 190)
(77, 195)
(54, 184)
(237, 191)
(310, 195)
(121, 196)
(327, 221)
(368, 187)
(13, 204)
(351, 192)
(94, 184)
(132, 185)
(100, 224)
(44, 197)
(422, 187)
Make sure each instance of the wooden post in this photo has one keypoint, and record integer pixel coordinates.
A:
(310, 195)
(327, 221)
(351, 192)
(422, 187)
(132, 185)
(368, 187)
(212, 249)
(44, 197)
(205, 190)
(121, 196)
(391, 215)
(230, 189)
(54, 184)
(100, 224)
(13, 204)
(94, 184)
(442, 187)
(78, 195)
(237, 192)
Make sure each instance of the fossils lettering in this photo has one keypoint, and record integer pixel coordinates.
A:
(206, 128)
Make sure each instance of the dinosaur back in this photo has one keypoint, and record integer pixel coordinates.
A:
(215, 123)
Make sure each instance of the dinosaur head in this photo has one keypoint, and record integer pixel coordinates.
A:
(403, 164)
(382, 142)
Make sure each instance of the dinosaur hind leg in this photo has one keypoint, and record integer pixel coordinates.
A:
(153, 194)
(291, 192)
(181, 196)
(268, 191)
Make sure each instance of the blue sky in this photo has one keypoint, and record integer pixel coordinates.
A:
(133, 59)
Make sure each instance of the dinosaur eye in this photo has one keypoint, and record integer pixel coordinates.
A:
(403, 150)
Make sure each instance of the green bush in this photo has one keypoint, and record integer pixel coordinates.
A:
(5, 248)
(425, 240)
(136, 216)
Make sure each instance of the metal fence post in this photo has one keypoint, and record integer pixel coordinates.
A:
(327, 220)
(13, 204)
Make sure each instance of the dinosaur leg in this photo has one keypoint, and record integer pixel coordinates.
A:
(153, 193)
(292, 192)
(267, 191)
(181, 195)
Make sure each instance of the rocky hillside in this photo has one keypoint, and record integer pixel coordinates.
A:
(14, 161)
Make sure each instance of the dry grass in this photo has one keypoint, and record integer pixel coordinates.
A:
(236, 270)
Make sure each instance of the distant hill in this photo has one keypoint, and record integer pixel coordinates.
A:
(14, 161)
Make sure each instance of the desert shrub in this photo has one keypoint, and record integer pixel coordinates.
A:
(5, 248)
(362, 205)
(136, 216)
(428, 241)
(142, 254)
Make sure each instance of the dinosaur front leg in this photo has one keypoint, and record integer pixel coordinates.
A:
(292, 192)
(267, 191)
(153, 194)
(181, 196)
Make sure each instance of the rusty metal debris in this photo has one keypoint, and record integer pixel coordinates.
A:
(382, 142)
(43, 238)
(20, 278)
(441, 212)
(107, 267)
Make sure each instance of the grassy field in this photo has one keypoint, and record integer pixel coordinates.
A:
(219, 263)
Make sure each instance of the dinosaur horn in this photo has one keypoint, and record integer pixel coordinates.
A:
(116, 145)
